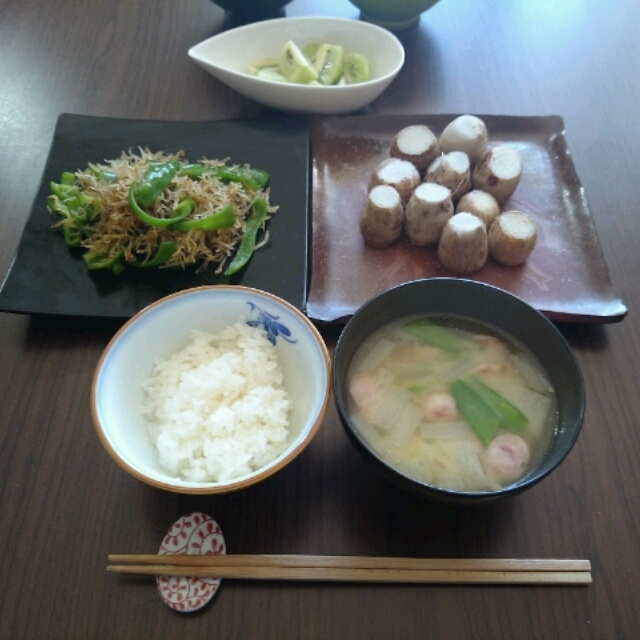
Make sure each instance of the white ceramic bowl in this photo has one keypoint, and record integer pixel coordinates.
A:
(163, 328)
(228, 55)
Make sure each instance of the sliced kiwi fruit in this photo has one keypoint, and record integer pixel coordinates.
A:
(356, 68)
(295, 66)
(268, 63)
(271, 73)
(310, 50)
(329, 63)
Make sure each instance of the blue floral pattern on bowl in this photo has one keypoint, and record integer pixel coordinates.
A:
(270, 324)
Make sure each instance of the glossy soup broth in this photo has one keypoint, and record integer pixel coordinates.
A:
(452, 402)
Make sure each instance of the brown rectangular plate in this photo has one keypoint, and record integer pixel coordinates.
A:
(566, 277)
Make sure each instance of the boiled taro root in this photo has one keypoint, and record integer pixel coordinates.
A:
(417, 144)
(481, 204)
(426, 213)
(382, 217)
(466, 133)
(402, 175)
(512, 238)
(452, 170)
(463, 244)
(498, 172)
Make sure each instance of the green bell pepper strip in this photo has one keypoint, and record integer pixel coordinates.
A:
(117, 268)
(248, 242)
(71, 203)
(152, 221)
(106, 176)
(219, 220)
(187, 205)
(68, 178)
(91, 211)
(83, 208)
(434, 335)
(64, 191)
(250, 178)
(72, 235)
(155, 180)
(95, 262)
(59, 207)
(511, 418)
(164, 252)
(480, 416)
(193, 170)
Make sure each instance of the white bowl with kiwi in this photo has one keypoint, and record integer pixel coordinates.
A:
(306, 65)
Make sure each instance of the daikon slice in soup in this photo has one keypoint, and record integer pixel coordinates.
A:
(452, 402)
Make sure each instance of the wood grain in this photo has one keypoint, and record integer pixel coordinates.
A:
(502, 565)
(533, 571)
(346, 574)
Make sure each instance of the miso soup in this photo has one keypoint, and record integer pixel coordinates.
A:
(452, 402)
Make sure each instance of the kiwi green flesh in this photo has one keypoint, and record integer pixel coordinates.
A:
(310, 50)
(329, 63)
(295, 66)
(356, 68)
(316, 63)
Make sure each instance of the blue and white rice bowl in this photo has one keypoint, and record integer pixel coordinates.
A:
(162, 329)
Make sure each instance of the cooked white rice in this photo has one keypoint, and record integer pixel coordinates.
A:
(217, 409)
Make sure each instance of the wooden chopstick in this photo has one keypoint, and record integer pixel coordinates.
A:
(360, 569)
(365, 562)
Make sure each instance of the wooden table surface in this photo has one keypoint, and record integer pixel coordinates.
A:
(65, 505)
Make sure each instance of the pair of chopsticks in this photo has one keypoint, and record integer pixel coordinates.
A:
(359, 569)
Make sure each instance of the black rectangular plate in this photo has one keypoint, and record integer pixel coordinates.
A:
(46, 277)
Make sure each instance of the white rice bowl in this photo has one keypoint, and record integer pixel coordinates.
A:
(217, 408)
(144, 409)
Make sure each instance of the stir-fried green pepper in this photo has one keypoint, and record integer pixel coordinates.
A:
(251, 178)
(78, 210)
(218, 220)
(248, 243)
(164, 252)
(61, 189)
(95, 262)
(68, 178)
(193, 171)
(72, 234)
(185, 207)
(155, 180)
(152, 221)
(106, 176)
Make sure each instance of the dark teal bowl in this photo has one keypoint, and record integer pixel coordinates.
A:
(395, 15)
(489, 305)
(242, 11)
